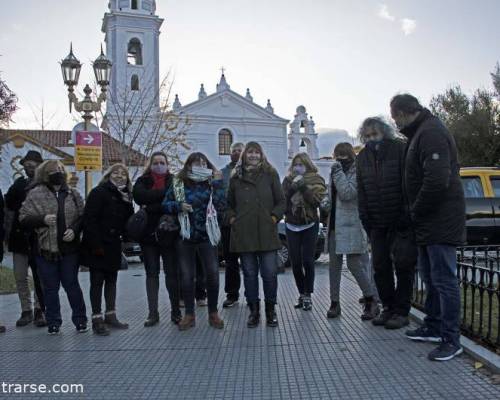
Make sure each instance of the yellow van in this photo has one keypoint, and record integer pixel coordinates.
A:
(482, 199)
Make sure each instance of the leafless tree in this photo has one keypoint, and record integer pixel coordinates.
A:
(135, 120)
(8, 103)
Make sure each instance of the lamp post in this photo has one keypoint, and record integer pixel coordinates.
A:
(70, 68)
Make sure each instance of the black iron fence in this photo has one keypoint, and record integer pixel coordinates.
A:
(479, 278)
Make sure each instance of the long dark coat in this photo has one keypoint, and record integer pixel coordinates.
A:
(432, 183)
(20, 238)
(253, 202)
(104, 219)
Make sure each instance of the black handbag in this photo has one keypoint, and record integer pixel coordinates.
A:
(168, 230)
(137, 225)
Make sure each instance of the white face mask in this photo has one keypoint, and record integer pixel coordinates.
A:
(201, 171)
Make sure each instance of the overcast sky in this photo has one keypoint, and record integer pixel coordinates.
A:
(342, 59)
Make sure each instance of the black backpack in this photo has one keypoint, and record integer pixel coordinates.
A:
(137, 225)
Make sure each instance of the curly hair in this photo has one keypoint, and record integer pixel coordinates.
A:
(379, 125)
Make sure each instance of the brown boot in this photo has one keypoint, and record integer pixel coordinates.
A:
(187, 322)
(215, 321)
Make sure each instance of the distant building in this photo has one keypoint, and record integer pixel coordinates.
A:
(15, 143)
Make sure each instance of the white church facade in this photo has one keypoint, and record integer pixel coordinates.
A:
(217, 119)
(225, 117)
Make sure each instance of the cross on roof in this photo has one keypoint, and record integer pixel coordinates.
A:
(223, 69)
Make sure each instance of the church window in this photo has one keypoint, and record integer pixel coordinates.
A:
(134, 82)
(134, 4)
(134, 56)
(225, 142)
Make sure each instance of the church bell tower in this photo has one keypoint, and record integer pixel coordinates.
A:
(132, 31)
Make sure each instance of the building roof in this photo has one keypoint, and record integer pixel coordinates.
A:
(59, 141)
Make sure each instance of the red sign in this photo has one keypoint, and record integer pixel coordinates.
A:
(84, 138)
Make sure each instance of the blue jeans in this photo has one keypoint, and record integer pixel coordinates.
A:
(63, 271)
(437, 265)
(266, 262)
(187, 253)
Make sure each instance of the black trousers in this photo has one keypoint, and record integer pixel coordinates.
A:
(301, 249)
(394, 295)
(154, 255)
(232, 282)
(100, 278)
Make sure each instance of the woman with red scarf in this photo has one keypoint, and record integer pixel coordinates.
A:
(149, 192)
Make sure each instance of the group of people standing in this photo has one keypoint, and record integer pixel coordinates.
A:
(400, 196)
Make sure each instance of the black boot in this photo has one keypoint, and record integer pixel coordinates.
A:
(300, 302)
(111, 320)
(334, 310)
(176, 316)
(25, 319)
(254, 317)
(153, 319)
(99, 327)
(271, 318)
(370, 309)
(39, 320)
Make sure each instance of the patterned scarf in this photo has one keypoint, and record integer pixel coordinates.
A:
(316, 184)
(211, 224)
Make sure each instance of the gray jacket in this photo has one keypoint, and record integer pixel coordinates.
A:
(350, 237)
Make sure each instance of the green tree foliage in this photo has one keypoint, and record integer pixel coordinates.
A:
(474, 121)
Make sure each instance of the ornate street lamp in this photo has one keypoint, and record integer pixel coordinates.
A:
(102, 70)
(71, 67)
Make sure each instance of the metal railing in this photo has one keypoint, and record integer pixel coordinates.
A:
(479, 278)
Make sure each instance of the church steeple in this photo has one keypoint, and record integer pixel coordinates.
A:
(202, 94)
(132, 31)
(133, 6)
(222, 85)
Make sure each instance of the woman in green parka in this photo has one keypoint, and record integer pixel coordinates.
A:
(256, 204)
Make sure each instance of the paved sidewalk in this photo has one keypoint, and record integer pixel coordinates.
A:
(306, 357)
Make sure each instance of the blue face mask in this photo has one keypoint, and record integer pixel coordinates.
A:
(299, 170)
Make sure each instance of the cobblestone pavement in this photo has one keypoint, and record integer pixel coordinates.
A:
(306, 357)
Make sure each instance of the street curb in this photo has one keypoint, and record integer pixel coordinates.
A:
(479, 353)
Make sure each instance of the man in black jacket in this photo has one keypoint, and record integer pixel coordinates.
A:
(21, 241)
(384, 215)
(437, 206)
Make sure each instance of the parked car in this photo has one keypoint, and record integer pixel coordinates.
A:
(482, 198)
(132, 249)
